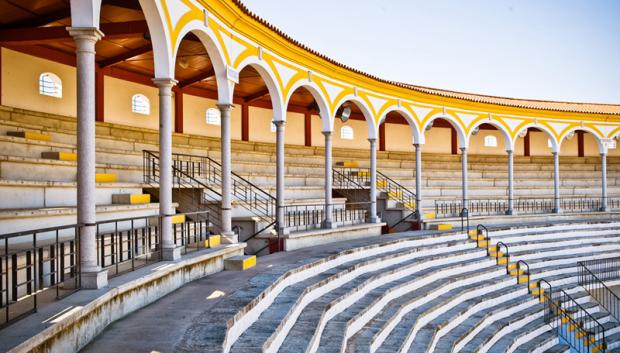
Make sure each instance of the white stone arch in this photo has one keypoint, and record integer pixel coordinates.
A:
(417, 136)
(601, 147)
(501, 128)
(215, 52)
(85, 13)
(324, 112)
(555, 146)
(265, 72)
(361, 104)
(460, 133)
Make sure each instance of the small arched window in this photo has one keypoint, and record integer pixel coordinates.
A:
(490, 141)
(140, 104)
(214, 117)
(346, 133)
(50, 85)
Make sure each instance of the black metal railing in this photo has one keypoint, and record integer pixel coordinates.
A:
(303, 217)
(499, 255)
(42, 265)
(592, 276)
(206, 173)
(345, 178)
(464, 214)
(36, 266)
(572, 323)
(482, 237)
(521, 205)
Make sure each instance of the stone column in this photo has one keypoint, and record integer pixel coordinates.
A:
(228, 236)
(556, 183)
(328, 223)
(464, 177)
(170, 251)
(280, 177)
(373, 181)
(604, 207)
(511, 188)
(418, 180)
(91, 274)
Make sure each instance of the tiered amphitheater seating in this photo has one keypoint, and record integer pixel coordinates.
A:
(434, 293)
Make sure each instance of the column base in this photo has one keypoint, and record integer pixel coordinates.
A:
(171, 254)
(510, 213)
(328, 225)
(94, 280)
(375, 219)
(604, 209)
(283, 232)
(229, 238)
(557, 210)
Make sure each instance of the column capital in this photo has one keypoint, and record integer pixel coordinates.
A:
(509, 151)
(326, 133)
(463, 149)
(278, 123)
(165, 82)
(225, 106)
(372, 140)
(604, 154)
(85, 33)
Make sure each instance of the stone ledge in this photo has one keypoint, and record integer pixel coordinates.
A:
(76, 330)
(301, 240)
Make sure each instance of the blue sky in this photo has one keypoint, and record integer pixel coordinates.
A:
(543, 49)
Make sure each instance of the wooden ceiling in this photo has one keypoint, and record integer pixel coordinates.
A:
(39, 26)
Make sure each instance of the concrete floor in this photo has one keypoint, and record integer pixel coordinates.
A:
(161, 326)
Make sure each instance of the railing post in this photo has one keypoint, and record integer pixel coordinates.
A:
(328, 223)
(92, 276)
(418, 181)
(228, 236)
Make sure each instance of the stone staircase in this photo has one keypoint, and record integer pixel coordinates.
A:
(428, 293)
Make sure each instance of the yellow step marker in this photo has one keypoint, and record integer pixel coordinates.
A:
(178, 219)
(214, 240)
(429, 215)
(497, 254)
(60, 156)
(410, 205)
(523, 279)
(535, 285)
(597, 349)
(580, 334)
(131, 199)
(502, 261)
(349, 164)
(473, 233)
(361, 174)
(512, 266)
(517, 272)
(395, 194)
(240, 262)
(30, 135)
(542, 299)
(105, 178)
(483, 243)
(538, 291)
(441, 226)
(382, 184)
(493, 248)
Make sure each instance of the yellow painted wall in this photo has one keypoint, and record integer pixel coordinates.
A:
(360, 134)
(538, 144)
(20, 84)
(569, 148)
(590, 146)
(476, 143)
(438, 140)
(398, 137)
(260, 127)
(117, 100)
(195, 118)
(519, 147)
(317, 131)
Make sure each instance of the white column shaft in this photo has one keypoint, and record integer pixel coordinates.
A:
(227, 233)
(556, 182)
(373, 181)
(604, 182)
(280, 176)
(328, 180)
(464, 177)
(418, 180)
(511, 188)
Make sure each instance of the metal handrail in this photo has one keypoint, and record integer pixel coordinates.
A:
(598, 289)
(480, 229)
(498, 248)
(526, 271)
(464, 219)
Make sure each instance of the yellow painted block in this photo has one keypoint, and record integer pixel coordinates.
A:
(361, 174)
(512, 266)
(473, 233)
(444, 226)
(105, 178)
(517, 272)
(382, 184)
(178, 219)
(60, 156)
(430, 215)
(30, 135)
(350, 164)
(523, 279)
(598, 348)
(493, 248)
(538, 291)
(497, 254)
(483, 243)
(502, 261)
(215, 240)
(37, 136)
(249, 262)
(138, 199)
(535, 285)
(580, 334)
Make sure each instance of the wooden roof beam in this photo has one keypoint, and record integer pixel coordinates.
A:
(41, 20)
(254, 96)
(125, 56)
(200, 77)
(39, 35)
